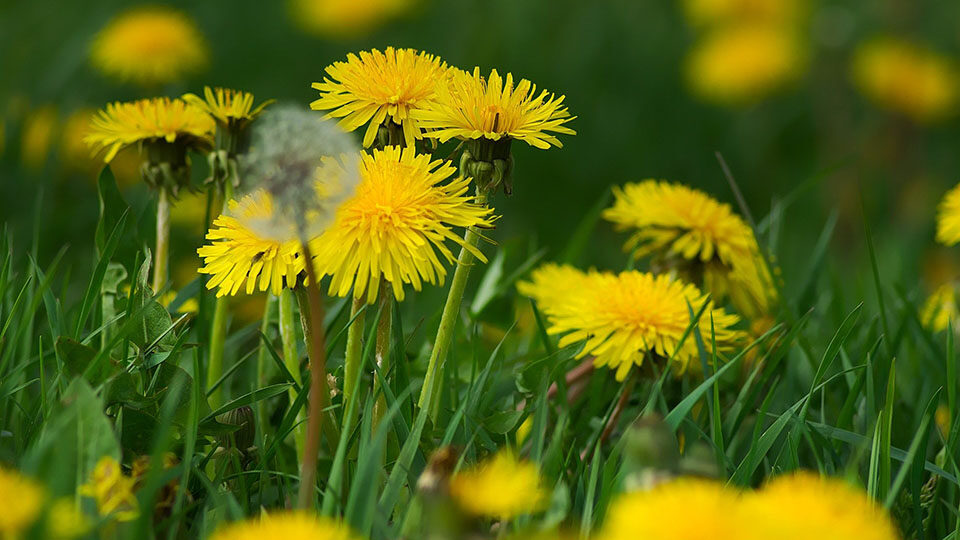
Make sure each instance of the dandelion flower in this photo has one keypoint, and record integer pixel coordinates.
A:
(112, 490)
(502, 487)
(345, 18)
(709, 12)
(676, 221)
(623, 317)
(806, 505)
(907, 78)
(682, 509)
(39, 128)
(23, 501)
(744, 63)
(150, 46)
(948, 218)
(65, 521)
(470, 106)
(236, 257)
(285, 525)
(941, 308)
(231, 109)
(394, 226)
(376, 87)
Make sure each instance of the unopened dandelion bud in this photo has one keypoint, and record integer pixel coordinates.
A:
(243, 437)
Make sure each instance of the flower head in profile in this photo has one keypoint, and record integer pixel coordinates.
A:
(149, 45)
(907, 78)
(23, 501)
(744, 63)
(397, 225)
(678, 223)
(469, 106)
(682, 509)
(162, 119)
(239, 259)
(112, 490)
(502, 487)
(233, 110)
(948, 218)
(344, 19)
(806, 505)
(940, 308)
(621, 318)
(285, 525)
(377, 87)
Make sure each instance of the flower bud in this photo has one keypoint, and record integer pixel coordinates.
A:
(243, 437)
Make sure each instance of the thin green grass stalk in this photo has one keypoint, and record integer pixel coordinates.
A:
(353, 360)
(382, 351)
(162, 247)
(218, 328)
(263, 357)
(433, 380)
(288, 340)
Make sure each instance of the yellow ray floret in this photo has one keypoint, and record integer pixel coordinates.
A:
(285, 525)
(228, 107)
(161, 119)
(237, 257)
(502, 487)
(469, 106)
(377, 86)
(621, 318)
(150, 46)
(676, 220)
(396, 225)
(948, 218)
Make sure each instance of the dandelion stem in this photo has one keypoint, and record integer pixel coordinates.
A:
(162, 249)
(433, 380)
(288, 341)
(218, 328)
(382, 350)
(262, 356)
(353, 361)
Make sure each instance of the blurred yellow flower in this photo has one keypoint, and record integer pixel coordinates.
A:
(948, 218)
(907, 78)
(23, 501)
(621, 318)
(112, 490)
(376, 87)
(940, 308)
(744, 63)
(502, 487)
(232, 109)
(345, 18)
(236, 256)
(149, 45)
(683, 509)
(74, 153)
(676, 221)
(65, 521)
(806, 505)
(399, 218)
(709, 12)
(469, 106)
(191, 209)
(285, 526)
(37, 136)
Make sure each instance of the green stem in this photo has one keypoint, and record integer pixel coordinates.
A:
(288, 340)
(262, 357)
(353, 362)
(433, 380)
(218, 329)
(382, 351)
(162, 248)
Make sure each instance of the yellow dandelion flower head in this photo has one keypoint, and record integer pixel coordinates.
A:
(74, 153)
(744, 63)
(345, 18)
(230, 108)
(940, 308)
(65, 521)
(158, 119)
(502, 487)
(23, 501)
(112, 490)
(710, 12)
(907, 78)
(236, 257)
(396, 224)
(683, 509)
(678, 221)
(37, 136)
(149, 45)
(948, 218)
(288, 526)
(469, 106)
(806, 505)
(378, 86)
(621, 318)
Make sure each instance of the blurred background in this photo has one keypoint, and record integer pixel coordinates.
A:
(822, 109)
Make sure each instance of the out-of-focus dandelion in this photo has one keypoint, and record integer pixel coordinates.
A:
(343, 19)
(744, 63)
(150, 46)
(23, 501)
(623, 318)
(382, 90)
(502, 487)
(112, 490)
(37, 136)
(285, 525)
(74, 153)
(948, 218)
(940, 308)
(907, 78)
(717, 12)
(65, 521)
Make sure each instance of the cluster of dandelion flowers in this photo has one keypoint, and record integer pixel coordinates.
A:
(744, 63)
(676, 221)
(376, 87)
(683, 509)
(231, 109)
(806, 505)
(502, 487)
(395, 225)
(621, 318)
(907, 78)
(149, 45)
(23, 501)
(237, 258)
(286, 525)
